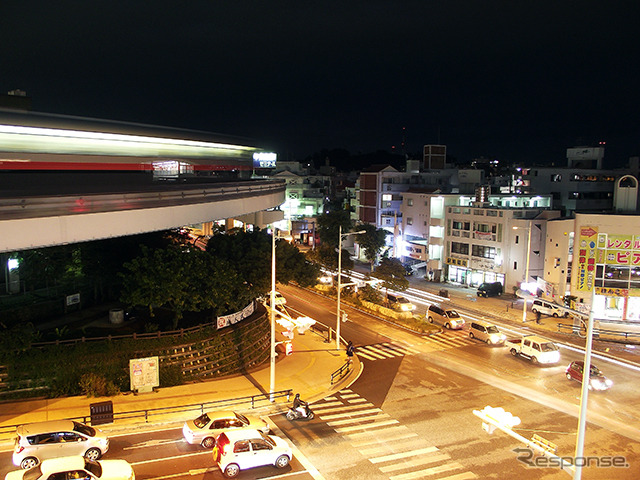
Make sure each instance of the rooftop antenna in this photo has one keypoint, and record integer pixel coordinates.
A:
(404, 140)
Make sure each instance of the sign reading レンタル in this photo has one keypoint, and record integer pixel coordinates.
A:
(586, 258)
(619, 249)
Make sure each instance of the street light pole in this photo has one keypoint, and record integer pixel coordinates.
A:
(272, 363)
(526, 274)
(340, 281)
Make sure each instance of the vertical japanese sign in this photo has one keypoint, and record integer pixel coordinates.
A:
(587, 248)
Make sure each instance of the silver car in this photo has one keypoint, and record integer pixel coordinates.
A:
(36, 442)
(204, 429)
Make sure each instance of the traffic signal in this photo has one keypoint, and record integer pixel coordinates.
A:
(496, 417)
(288, 348)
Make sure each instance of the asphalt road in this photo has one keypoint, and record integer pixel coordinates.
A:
(410, 414)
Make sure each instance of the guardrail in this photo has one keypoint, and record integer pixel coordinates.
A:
(147, 415)
(341, 372)
(581, 331)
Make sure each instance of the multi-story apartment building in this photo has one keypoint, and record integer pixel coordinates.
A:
(496, 243)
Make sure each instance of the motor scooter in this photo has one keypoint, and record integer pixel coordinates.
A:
(295, 413)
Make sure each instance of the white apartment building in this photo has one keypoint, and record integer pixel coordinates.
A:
(500, 242)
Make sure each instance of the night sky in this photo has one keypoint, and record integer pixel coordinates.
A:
(516, 80)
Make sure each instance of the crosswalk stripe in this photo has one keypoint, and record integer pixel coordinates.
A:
(320, 406)
(415, 462)
(368, 357)
(384, 441)
(378, 433)
(347, 421)
(427, 472)
(358, 400)
(351, 395)
(343, 408)
(443, 341)
(460, 476)
(397, 456)
(366, 426)
(369, 351)
(398, 349)
(349, 414)
(379, 349)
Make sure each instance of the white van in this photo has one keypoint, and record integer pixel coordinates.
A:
(548, 308)
(487, 332)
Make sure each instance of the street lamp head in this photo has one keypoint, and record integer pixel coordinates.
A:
(360, 232)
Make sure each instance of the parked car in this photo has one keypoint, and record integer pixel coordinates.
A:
(75, 467)
(547, 308)
(238, 450)
(493, 289)
(204, 429)
(597, 380)
(39, 441)
(398, 302)
(487, 332)
(449, 318)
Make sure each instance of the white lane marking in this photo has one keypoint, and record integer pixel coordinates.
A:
(396, 456)
(366, 427)
(460, 476)
(164, 459)
(368, 357)
(427, 472)
(153, 443)
(383, 441)
(359, 420)
(349, 414)
(376, 434)
(416, 462)
(358, 400)
(344, 408)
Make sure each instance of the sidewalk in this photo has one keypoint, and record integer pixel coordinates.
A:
(307, 371)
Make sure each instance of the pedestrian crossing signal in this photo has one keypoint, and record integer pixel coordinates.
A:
(288, 348)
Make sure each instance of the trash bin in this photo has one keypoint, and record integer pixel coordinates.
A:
(444, 293)
(101, 412)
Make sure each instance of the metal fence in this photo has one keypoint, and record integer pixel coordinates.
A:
(177, 412)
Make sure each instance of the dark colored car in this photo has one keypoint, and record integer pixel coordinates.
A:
(490, 289)
(597, 380)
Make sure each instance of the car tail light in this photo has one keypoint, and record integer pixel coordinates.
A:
(19, 448)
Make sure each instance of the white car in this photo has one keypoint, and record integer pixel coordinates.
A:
(238, 450)
(35, 442)
(77, 467)
(204, 429)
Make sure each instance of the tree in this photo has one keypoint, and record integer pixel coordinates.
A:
(372, 241)
(291, 264)
(183, 280)
(329, 226)
(391, 272)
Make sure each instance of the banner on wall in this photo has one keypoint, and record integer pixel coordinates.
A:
(619, 249)
(587, 248)
(227, 320)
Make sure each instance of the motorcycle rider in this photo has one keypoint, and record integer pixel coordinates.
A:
(301, 406)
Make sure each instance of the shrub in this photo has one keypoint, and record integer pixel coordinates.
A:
(94, 385)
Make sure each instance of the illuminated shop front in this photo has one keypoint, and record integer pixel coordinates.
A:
(610, 264)
(459, 271)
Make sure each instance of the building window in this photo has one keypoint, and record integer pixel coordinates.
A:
(410, 202)
(409, 221)
(483, 251)
(462, 248)
(515, 265)
(386, 197)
